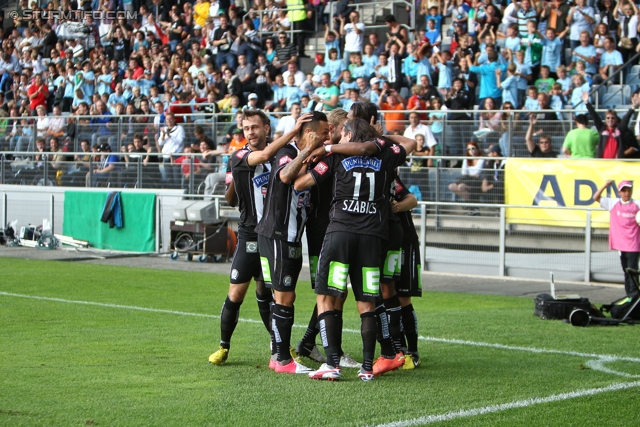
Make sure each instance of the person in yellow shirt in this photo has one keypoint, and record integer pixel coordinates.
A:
(201, 12)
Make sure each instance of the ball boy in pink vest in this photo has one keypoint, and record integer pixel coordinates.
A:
(624, 231)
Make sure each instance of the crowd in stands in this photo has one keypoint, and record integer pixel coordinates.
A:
(224, 56)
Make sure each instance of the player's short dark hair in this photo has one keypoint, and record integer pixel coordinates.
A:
(318, 116)
(253, 113)
(361, 130)
(583, 119)
(365, 110)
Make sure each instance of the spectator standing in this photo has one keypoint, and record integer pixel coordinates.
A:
(544, 148)
(38, 94)
(581, 18)
(392, 101)
(223, 38)
(171, 144)
(353, 33)
(525, 14)
(581, 142)
(286, 53)
(487, 73)
(614, 143)
(628, 29)
(624, 231)
(298, 14)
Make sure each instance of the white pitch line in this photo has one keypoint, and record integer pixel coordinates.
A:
(511, 405)
(604, 357)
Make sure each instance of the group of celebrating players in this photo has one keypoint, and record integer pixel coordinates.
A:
(337, 175)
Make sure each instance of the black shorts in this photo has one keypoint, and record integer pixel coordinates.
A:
(357, 256)
(392, 249)
(246, 262)
(314, 244)
(410, 282)
(281, 262)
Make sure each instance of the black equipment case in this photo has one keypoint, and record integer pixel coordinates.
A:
(548, 307)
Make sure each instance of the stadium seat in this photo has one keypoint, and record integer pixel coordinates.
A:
(623, 90)
(633, 81)
(610, 100)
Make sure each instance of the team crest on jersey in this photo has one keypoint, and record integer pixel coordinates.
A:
(304, 198)
(321, 168)
(398, 187)
(381, 142)
(240, 153)
(284, 160)
(287, 280)
(234, 274)
(396, 149)
(228, 178)
(361, 162)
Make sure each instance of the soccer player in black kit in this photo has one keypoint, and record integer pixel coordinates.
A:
(410, 282)
(249, 175)
(279, 232)
(353, 243)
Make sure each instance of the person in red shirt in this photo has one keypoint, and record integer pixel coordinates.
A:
(417, 102)
(38, 94)
(614, 143)
(185, 162)
(178, 108)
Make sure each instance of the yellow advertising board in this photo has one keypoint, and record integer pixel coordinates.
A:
(541, 182)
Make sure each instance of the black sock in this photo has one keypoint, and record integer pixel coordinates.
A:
(330, 332)
(410, 325)
(392, 306)
(228, 321)
(339, 314)
(386, 346)
(309, 338)
(282, 323)
(264, 307)
(368, 329)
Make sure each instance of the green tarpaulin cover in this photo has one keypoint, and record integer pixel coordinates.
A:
(83, 210)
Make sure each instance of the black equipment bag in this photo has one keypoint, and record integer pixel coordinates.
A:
(619, 308)
(548, 307)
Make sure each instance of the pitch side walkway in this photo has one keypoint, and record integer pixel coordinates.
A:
(596, 292)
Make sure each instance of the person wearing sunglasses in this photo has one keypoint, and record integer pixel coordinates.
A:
(543, 148)
(616, 140)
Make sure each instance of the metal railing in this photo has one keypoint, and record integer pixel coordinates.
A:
(449, 242)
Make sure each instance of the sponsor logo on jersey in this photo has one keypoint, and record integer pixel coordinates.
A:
(321, 168)
(241, 153)
(362, 162)
(261, 180)
(396, 149)
(359, 207)
(284, 160)
(228, 178)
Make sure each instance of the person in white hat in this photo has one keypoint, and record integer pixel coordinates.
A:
(624, 231)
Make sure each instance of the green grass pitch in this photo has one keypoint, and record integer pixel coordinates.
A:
(114, 346)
